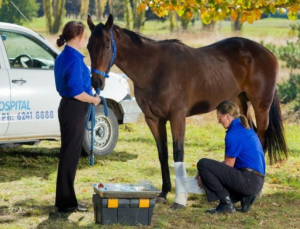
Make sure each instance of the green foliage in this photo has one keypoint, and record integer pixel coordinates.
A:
(290, 54)
(289, 89)
(271, 47)
(8, 13)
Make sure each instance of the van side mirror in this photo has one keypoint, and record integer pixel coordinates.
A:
(3, 37)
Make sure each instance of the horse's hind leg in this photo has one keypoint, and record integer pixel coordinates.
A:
(158, 129)
(261, 105)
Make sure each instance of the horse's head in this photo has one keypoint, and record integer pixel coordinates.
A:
(101, 51)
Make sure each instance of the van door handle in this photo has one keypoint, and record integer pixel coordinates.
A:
(19, 81)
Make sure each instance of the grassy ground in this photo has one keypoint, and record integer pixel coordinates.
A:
(28, 175)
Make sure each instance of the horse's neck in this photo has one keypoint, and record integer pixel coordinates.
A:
(137, 63)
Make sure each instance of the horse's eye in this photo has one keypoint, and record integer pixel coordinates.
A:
(106, 46)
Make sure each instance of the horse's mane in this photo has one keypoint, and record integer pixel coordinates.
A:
(138, 38)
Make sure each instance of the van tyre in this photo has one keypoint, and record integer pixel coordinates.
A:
(106, 133)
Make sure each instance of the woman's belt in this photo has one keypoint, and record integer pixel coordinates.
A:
(252, 170)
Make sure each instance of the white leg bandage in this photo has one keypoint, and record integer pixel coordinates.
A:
(180, 173)
(184, 184)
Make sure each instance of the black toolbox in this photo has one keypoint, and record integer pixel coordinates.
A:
(123, 211)
(126, 204)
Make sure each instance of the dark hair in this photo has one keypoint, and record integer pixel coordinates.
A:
(229, 107)
(71, 30)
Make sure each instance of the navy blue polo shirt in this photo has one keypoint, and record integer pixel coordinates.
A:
(72, 76)
(245, 147)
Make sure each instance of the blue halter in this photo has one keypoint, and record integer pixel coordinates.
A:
(114, 54)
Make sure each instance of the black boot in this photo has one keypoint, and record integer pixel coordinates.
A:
(225, 205)
(246, 203)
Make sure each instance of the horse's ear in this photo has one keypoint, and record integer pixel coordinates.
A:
(90, 23)
(109, 23)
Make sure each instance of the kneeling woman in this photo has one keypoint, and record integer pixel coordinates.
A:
(241, 175)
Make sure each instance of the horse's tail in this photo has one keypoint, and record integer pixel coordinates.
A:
(275, 141)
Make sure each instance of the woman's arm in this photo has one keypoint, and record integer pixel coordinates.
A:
(84, 97)
(229, 161)
(199, 181)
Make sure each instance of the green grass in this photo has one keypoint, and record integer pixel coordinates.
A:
(28, 175)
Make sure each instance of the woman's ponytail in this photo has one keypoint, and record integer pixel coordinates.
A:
(60, 41)
(244, 122)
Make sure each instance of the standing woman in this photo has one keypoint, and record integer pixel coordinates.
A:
(241, 175)
(73, 83)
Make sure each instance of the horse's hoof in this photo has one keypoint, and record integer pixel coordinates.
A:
(161, 200)
(176, 206)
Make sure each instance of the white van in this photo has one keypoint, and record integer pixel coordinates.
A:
(29, 100)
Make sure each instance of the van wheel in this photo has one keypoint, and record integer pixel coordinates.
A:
(106, 133)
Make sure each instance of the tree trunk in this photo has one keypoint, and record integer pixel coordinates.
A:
(184, 23)
(138, 18)
(208, 27)
(172, 19)
(48, 14)
(54, 14)
(128, 14)
(237, 25)
(60, 13)
(84, 9)
(100, 5)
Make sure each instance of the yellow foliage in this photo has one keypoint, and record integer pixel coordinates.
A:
(220, 9)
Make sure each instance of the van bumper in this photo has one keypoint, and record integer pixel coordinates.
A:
(130, 109)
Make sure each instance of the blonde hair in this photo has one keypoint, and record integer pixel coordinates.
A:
(229, 107)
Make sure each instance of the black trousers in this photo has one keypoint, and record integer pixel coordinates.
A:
(220, 180)
(72, 115)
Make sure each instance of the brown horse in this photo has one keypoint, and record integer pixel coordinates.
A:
(173, 81)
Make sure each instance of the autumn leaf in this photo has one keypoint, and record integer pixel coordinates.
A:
(292, 16)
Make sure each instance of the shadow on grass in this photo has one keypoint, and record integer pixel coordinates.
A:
(122, 156)
(58, 220)
(18, 163)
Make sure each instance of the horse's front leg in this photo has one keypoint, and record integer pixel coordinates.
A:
(178, 132)
(159, 131)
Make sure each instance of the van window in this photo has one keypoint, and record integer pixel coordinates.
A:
(26, 52)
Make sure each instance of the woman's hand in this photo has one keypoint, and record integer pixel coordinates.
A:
(84, 97)
(97, 100)
(199, 181)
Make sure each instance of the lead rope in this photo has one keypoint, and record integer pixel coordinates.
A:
(91, 117)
